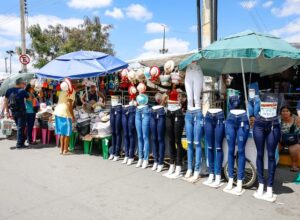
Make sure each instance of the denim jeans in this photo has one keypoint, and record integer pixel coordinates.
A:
(237, 130)
(116, 127)
(214, 134)
(234, 102)
(142, 124)
(175, 125)
(20, 120)
(128, 124)
(158, 128)
(266, 131)
(253, 106)
(30, 118)
(194, 128)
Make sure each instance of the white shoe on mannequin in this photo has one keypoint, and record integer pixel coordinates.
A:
(260, 192)
(195, 177)
(269, 196)
(145, 164)
(159, 168)
(139, 163)
(116, 158)
(217, 182)
(129, 162)
(188, 174)
(170, 171)
(238, 190)
(111, 157)
(177, 173)
(209, 180)
(125, 160)
(154, 167)
(229, 186)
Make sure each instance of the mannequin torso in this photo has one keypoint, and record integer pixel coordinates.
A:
(237, 111)
(214, 110)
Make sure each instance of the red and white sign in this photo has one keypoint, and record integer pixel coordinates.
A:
(24, 59)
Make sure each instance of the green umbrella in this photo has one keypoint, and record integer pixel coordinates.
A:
(247, 51)
(11, 80)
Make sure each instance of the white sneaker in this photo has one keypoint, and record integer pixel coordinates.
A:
(116, 158)
(159, 168)
(154, 167)
(188, 174)
(139, 163)
(177, 173)
(145, 164)
(170, 171)
(111, 157)
(129, 162)
(125, 160)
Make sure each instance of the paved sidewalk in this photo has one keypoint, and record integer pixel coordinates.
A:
(41, 184)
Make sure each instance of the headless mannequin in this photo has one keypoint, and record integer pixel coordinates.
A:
(210, 181)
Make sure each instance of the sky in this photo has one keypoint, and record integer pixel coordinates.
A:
(138, 24)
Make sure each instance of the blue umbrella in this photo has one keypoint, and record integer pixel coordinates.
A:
(81, 64)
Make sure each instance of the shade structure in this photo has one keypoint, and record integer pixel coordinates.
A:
(11, 81)
(81, 64)
(261, 53)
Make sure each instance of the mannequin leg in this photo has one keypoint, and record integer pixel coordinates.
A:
(139, 130)
(197, 87)
(161, 128)
(210, 140)
(189, 88)
(189, 128)
(154, 141)
(146, 137)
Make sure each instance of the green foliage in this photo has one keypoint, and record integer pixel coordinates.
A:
(56, 40)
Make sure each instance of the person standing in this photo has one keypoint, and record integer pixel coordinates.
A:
(30, 113)
(64, 114)
(14, 106)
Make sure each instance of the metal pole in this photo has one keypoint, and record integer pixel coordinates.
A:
(10, 63)
(199, 24)
(215, 20)
(23, 37)
(244, 85)
(6, 64)
(164, 41)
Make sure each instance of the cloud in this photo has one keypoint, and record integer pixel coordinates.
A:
(174, 45)
(267, 4)
(138, 12)
(8, 43)
(153, 27)
(288, 8)
(248, 4)
(89, 4)
(194, 28)
(289, 32)
(116, 13)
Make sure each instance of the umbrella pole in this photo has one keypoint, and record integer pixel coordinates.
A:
(245, 86)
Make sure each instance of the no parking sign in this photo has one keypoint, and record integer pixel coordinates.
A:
(24, 59)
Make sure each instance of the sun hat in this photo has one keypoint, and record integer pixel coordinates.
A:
(147, 73)
(142, 99)
(165, 80)
(158, 97)
(154, 72)
(169, 66)
(131, 75)
(140, 75)
(124, 73)
(141, 87)
(66, 86)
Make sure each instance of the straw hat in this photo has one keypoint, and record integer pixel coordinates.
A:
(158, 97)
(141, 87)
(169, 66)
(154, 71)
(147, 73)
(124, 73)
(131, 75)
(140, 75)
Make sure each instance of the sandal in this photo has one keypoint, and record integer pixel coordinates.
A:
(294, 169)
(67, 153)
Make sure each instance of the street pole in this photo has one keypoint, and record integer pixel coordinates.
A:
(199, 24)
(10, 52)
(6, 64)
(164, 50)
(23, 34)
(214, 9)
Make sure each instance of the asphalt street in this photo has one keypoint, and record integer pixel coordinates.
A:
(39, 183)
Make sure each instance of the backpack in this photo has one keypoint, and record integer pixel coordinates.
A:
(12, 102)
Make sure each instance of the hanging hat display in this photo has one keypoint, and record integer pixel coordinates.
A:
(169, 66)
(140, 75)
(141, 87)
(165, 80)
(131, 76)
(147, 73)
(154, 72)
(132, 92)
(158, 98)
(142, 99)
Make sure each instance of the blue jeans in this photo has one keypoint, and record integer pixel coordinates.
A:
(128, 123)
(194, 128)
(237, 130)
(142, 124)
(116, 126)
(266, 131)
(30, 118)
(158, 128)
(20, 120)
(234, 102)
(253, 106)
(214, 135)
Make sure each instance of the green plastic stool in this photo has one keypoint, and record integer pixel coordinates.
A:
(87, 147)
(297, 179)
(73, 139)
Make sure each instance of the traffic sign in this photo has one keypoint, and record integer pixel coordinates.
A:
(24, 59)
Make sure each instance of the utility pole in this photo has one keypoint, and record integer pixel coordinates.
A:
(199, 24)
(214, 16)
(23, 34)
(10, 52)
(6, 64)
(164, 50)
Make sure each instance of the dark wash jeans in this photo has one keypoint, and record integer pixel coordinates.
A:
(158, 128)
(214, 134)
(194, 128)
(116, 127)
(266, 131)
(175, 125)
(20, 120)
(128, 124)
(234, 102)
(142, 124)
(237, 130)
(30, 118)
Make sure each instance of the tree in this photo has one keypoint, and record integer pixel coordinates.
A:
(56, 40)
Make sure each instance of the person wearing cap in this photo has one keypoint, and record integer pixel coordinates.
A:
(93, 96)
(30, 113)
(14, 106)
(64, 114)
